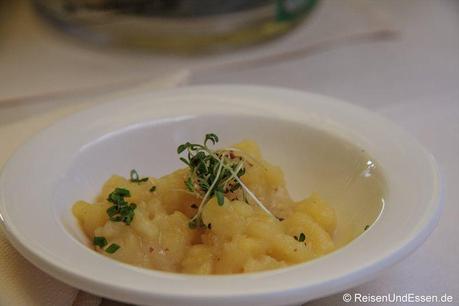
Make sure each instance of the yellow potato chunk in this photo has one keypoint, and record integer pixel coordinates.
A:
(174, 195)
(264, 262)
(320, 211)
(265, 180)
(90, 216)
(198, 260)
(319, 240)
(227, 220)
(249, 147)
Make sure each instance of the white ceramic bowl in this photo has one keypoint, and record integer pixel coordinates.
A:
(319, 142)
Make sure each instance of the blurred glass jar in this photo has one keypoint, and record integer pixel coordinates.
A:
(180, 26)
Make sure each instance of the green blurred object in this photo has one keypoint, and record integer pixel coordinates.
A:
(177, 26)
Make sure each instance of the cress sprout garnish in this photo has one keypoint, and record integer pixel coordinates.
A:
(215, 173)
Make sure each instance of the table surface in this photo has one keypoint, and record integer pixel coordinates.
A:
(414, 81)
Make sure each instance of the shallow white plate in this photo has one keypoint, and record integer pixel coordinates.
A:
(322, 144)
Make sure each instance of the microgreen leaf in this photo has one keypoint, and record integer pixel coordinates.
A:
(185, 161)
(220, 197)
(189, 184)
(181, 148)
(211, 137)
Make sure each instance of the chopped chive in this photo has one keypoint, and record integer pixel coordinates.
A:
(135, 178)
(99, 241)
(112, 210)
(112, 248)
(118, 194)
(300, 238)
(120, 211)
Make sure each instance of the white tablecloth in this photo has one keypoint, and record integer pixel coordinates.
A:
(413, 80)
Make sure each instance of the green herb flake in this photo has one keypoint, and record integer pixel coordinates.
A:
(152, 189)
(111, 211)
(118, 195)
(123, 192)
(366, 227)
(99, 241)
(300, 238)
(112, 248)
